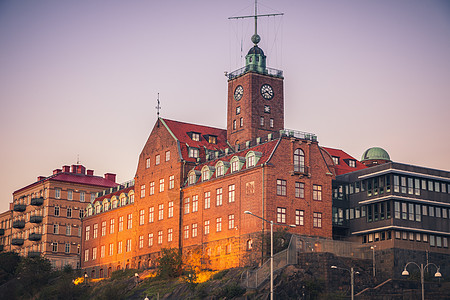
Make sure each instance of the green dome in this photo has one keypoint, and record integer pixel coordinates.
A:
(375, 153)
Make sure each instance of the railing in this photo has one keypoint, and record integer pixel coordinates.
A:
(20, 207)
(299, 134)
(2, 231)
(17, 242)
(253, 279)
(36, 219)
(243, 70)
(37, 201)
(35, 237)
(19, 224)
(34, 254)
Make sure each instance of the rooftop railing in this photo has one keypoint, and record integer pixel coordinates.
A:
(299, 134)
(267, 71)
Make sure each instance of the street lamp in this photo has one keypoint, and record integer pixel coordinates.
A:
(422, 269)
(352, 278)
(271, 247)
(373, 258)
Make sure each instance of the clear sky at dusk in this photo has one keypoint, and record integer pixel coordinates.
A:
(82, 77)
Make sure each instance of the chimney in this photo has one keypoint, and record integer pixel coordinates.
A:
(66, 169)
(81, 169)
(43, 177)
(56, 171)
(110, 177)
(90, 172)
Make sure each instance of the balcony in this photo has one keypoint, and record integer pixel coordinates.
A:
(17, 242)
(246, 69)
(37, 201)
(20, 207)
(299, 134)
(35, 219)
(35, 237)
(2, 231)
(2, 248)
(34, 254)
(19, 224)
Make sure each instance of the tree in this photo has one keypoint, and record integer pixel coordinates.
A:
(170, 264)
(8, 265)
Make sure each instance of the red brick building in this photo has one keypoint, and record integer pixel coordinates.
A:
(193, 184)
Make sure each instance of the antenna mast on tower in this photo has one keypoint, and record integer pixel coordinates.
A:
(158, 108)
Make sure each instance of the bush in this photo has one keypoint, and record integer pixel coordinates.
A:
(231, 291)
(170, 263)
(219, 275)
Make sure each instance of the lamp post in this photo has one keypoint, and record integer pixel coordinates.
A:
(373, 258)
(352, 278)
(422, 269)
(271, 247)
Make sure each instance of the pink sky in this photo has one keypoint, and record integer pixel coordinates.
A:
(81, 77)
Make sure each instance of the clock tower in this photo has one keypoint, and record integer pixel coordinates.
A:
(255, 99)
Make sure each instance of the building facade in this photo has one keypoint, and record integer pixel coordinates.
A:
(45, 216)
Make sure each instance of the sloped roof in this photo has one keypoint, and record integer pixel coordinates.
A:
(116, 193)
(343, 166)
(180, 131)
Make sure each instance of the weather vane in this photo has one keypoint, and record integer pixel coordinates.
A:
(158, 108)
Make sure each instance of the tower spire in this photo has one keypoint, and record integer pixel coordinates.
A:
(158, 108)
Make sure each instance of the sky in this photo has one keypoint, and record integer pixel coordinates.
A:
(79, 79)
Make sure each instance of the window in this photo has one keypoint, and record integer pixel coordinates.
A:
(95, 231)
(230, 221)
(150, 239)
(195, 136)
(55, 228)
(404, 211)
(250, 160)
(299, 190)
(167, 155)
(218, 224)
(120, 223)
(195, 203)
(128, 249)
(261, 121)
(171, 182)
(231, 193)
(94, 253)
(143, 191)
(418, 213)
(234, 124)
(241, 121)
(194, 230)
(299, 217)
(267, 109)
(92, 197)
(69, 212)
(169, 235)
(411, 211)
(397, 210)
(235, 164)
(130, 221)
(170, 213)
(56, 211)
(271, 123)
(281, 187)
(192, 178)
(58, 193)
(161, 185)
(206, 227)
(69, 195)
(238, 110)
(102, 251)
(151, 213)
(299, 161)
(396, 184)
(68, 229)
(119, 247)
(281, 215)
(141, 241)
(193, 152)
(111, 226)
(317, 192)
(219, 169)
(207, 200)
(157, 159)
(86, 254)
(317, 220)
(431, 211)
(205, 173)
(142, 217)
(160, 237)
(160, 212)
(186, 231)
(219, 197)
(111, 249)
(88, 230)
(147, 163)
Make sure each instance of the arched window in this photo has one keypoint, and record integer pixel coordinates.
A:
(206, 173)
(105, 205)
(299, 161)
(219, 169)
(249, 244)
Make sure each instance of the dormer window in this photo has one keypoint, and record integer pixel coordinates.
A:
(335, 160)
(252, 158)
(193, 152)
(221, 168)
(195, 136)
(212, 139)
(236, 163)
(352, 163)
(206, 173)
(105, 205)
(192, 177)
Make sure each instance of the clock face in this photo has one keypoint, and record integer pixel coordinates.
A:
(266, 91)
(238, 92)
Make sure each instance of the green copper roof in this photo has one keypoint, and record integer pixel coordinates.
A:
(375, 153)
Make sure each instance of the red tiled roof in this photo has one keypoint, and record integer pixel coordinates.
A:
(116, 193)
(180, 131)
(343, 167)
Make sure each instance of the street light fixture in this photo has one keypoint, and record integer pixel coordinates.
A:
(422, 271)
(271, 247)
(352, 278)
